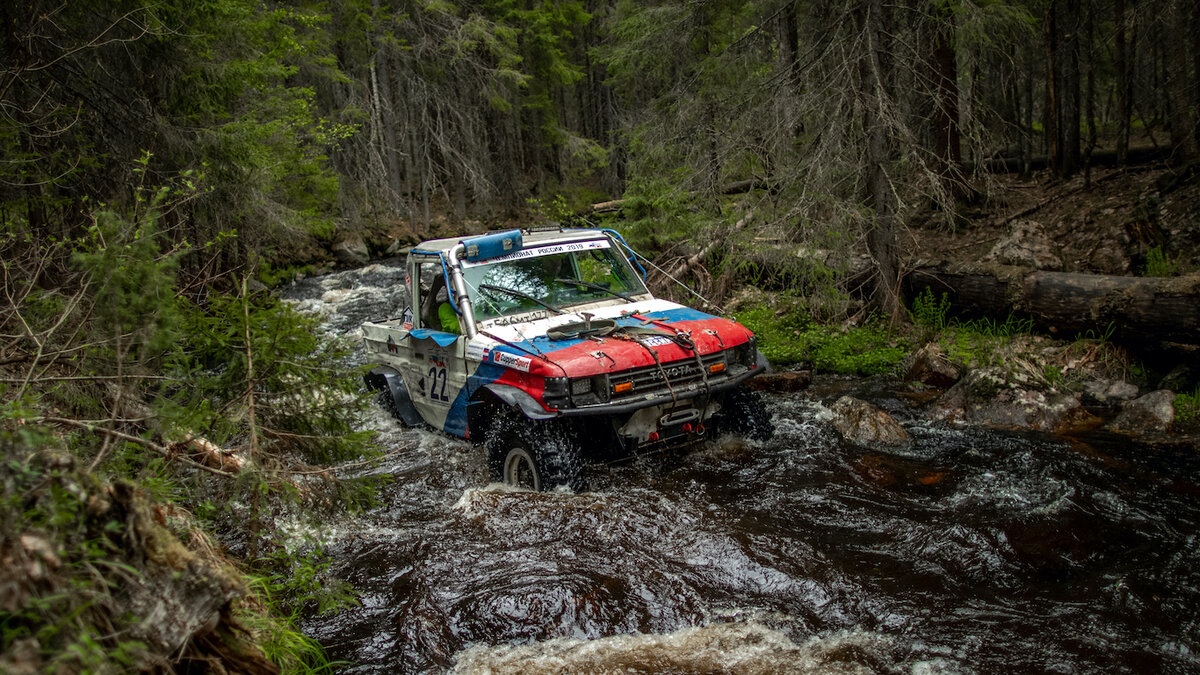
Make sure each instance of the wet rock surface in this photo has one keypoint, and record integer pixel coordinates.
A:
(1104, 392)
(351, 251)
(1007, 399)
(864, 424)
(930, 365)
(1149, 415)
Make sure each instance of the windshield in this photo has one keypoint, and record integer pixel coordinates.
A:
(552, 276)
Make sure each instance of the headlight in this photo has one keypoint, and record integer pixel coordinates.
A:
(556, 387)
(746, 353)
(589, 390)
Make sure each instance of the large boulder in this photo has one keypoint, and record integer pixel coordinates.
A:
(1008, 399)
(351, 251)
(864, 424)
(1026, 245)
(930, 365)
(1149, 415)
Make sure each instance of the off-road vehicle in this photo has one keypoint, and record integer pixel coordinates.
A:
(546, 347)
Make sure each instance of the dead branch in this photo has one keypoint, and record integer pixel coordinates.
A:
(163, 450)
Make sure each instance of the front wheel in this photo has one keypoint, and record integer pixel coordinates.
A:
(744, 413)
(536, 456)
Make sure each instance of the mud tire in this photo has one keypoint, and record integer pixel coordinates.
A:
(537, 456)
(744, 413)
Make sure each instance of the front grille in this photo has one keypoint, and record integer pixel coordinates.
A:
(649, 379)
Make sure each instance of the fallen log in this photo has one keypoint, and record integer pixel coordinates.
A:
(1136, 308)
(736, 187)
(608, 207)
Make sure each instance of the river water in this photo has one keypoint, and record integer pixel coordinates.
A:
(971, 551)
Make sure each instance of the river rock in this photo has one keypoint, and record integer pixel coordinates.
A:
(1026, 245)
(1011, 400)
(1109, 392)
(930, 365)
(1151, 414)
(864, 424)
(351, 251)
(1177, 379)
(1108, 258)
(396, 248)
(784, 383)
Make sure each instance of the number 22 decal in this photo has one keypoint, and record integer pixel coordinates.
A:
(437, 384)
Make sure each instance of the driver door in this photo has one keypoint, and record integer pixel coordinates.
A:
(436, 375)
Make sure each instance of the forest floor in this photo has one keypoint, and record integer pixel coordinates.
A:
(1106, 225)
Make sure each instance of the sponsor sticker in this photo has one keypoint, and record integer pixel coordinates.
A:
(477, 351)
(521, 363)
(519, 318)
(656, 340)
(539, 251)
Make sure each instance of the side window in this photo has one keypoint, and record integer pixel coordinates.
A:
(431, 282)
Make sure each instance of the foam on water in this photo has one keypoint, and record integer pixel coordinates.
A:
(743, 648)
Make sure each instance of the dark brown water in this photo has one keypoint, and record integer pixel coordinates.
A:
(973, 551)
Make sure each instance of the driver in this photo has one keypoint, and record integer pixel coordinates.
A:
(436, 311)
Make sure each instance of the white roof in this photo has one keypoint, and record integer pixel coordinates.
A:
(528, 238)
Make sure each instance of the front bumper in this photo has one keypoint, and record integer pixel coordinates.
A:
(682, 393)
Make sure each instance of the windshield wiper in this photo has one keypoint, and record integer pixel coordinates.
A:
(595, 287)
(519, 294)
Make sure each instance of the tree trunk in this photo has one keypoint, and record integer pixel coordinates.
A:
(1182, 113)
(1138, 308)
(410, 174)
(789, 40)
(881, 234)
(1027, 124)
(1069, 124)
(1195, 31)
(946, 135)
(1089, 93)
(1124, 84)
(1052, 113)
(382, 73)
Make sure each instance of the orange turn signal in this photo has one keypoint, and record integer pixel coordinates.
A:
(716, 367)
(622, 387)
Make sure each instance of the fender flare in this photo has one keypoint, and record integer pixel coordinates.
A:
(520, 400)
(389, 382)
(760, 361)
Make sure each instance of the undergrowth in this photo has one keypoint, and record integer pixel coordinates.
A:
(973, 341)
(794, 337)
(1160, 264)
(141, 422)
(1187, 406)
(989, 343)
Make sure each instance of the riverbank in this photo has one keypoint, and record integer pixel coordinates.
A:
(999, 374)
